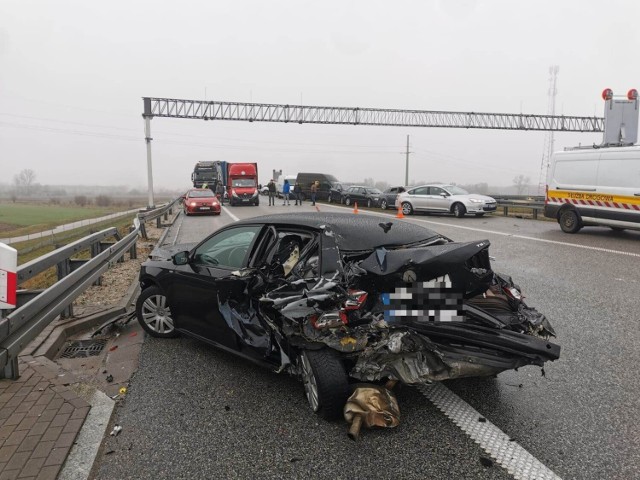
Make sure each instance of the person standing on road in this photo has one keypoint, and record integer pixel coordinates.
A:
(272, 192)
(220, 192)
(297, 193)
(314, 191)
(286, 189)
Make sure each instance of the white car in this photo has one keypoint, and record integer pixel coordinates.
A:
(444, 199)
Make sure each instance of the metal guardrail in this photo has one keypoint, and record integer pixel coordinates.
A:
(533, 203)
(26, 322)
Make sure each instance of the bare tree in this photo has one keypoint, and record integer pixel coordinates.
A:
(521, 182)
(24, 180)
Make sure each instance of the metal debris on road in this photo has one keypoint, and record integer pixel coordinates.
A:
(373, 406)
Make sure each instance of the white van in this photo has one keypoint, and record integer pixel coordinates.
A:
(594, 186)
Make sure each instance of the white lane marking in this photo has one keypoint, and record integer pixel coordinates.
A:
(512, 235)
(512, 456)
(226, 210)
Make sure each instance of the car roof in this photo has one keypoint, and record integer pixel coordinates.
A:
(352, 232)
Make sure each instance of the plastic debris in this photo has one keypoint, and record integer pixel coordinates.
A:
(113, 348)
(116, 430)
(372, 406)
(109, 378)
(123, 390)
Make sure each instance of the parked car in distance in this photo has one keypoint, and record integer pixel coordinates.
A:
(388, 197)
(198, 201)
(444, 199)
(335, 193)
(363, 196)
(319, 296)
(325, 183)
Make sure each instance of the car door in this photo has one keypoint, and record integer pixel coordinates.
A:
(438, 199)
(418, 198)
(196, 288)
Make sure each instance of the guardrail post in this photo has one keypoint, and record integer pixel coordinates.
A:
(166, 215)
(143, 230)
(95, 250)
(133, 251)
(159, 222)
(535, 213)
(63, 269)
(10, 370)
(505, 211)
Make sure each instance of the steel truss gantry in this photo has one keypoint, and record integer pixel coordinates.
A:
(265, 112)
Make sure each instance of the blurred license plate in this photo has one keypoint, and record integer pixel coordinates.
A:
(205, 208)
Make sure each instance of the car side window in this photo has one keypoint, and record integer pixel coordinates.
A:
(420, 191)
(229, 248)
(393, 190)
(435, 191)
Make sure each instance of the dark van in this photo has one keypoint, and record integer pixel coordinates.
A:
(326, 183)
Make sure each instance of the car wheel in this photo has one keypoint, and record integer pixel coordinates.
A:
(325, 380)
(369, 203)
(347, 201)
(407, 209)
(329, 199)
(479, 214)
(154, 313)
(570, 222)
(257, 203)
(383, 204)
(459, 210)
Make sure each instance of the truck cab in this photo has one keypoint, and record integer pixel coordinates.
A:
(242, 184)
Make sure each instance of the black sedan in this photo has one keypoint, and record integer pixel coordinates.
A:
(338, 298)
(363, 196)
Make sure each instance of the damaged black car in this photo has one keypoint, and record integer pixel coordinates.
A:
(337, 299)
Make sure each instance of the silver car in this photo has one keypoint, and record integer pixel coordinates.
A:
(445, 199)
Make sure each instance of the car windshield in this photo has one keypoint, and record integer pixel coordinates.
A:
(200, 194)
(453, 190)
(243, 182)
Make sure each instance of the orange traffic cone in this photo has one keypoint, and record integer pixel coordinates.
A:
(400, 214)
(355, 207)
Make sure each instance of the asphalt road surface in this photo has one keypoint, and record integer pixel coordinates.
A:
(195, 412)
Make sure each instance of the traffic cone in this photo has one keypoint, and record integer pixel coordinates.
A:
(355, 207)
(400, 214)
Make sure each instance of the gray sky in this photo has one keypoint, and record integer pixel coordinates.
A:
(72, 74)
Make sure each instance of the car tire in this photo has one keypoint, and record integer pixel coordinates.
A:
(383, 204)
(326, 383)
(257, 203)
(570, 221)
(329, 199)
(347, 201)
(369, 203)
(154, 313)
(458, 210)
(407, 209)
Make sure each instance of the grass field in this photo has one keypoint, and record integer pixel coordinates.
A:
(24, 218)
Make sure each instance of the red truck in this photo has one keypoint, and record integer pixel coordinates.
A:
(242, 184)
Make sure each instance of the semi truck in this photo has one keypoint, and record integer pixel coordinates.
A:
(242, 183)
(204, 173)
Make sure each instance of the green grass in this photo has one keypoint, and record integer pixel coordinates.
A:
(22, 218)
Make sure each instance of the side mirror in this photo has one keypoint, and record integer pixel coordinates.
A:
(444, 194)
(180, 258)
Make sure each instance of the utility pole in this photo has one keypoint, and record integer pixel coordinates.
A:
(406, 168)
(549, 140)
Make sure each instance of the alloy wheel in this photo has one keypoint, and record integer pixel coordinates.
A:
(310, 384)
(156, 314)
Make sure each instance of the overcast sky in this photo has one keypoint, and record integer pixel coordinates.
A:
(72, 74)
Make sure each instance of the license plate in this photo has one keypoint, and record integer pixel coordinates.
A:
(430, 301)
(205, 208)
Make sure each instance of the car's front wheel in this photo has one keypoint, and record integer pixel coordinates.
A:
(459, 210)
(329, 200)
(325, 380)
(407, 209)
(154, 313)
(369, 203)
(383, 204)
(347, 201)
